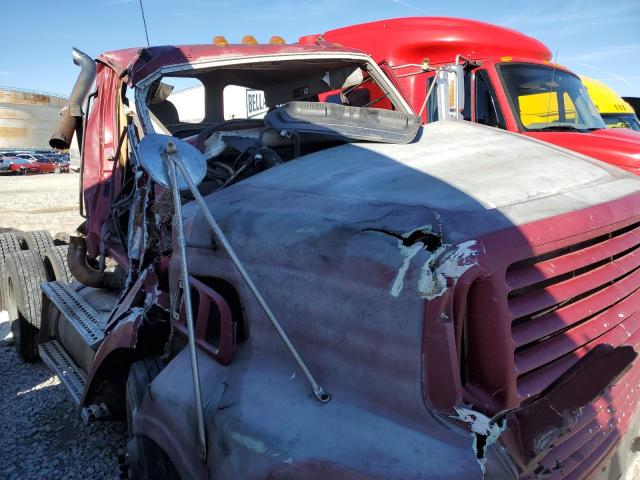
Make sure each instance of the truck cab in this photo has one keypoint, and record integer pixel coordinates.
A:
(614, 110)
(511, 81)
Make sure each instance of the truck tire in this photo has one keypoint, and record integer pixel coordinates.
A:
(147, 461)
(141, 374)
(8, 243)
(24, 272)
(56, 265)
(38, 241)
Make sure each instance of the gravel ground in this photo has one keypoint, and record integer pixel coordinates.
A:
(40, 202)
(42, 436)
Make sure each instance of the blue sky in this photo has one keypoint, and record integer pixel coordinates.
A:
(596, 38)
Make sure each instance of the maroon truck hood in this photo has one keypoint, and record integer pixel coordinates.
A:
(620, 147)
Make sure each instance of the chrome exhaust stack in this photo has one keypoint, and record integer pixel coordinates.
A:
(71, 114)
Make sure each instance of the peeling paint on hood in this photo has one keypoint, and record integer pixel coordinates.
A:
(433, 281)
(484, 432)
(408, 253)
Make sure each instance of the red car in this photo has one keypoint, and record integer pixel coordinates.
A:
(23, 166)
(51, 164)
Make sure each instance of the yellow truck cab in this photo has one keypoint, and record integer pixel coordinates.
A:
(615, 112)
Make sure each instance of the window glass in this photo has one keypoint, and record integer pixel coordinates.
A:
(466, 111)
(487, 112)
(549, 98)
(620, 120)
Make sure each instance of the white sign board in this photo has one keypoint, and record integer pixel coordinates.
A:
(243, 102)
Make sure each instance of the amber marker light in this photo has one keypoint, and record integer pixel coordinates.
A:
(220, 41)
(249, 40)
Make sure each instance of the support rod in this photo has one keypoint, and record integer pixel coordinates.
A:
(171, 163)
(318, 391)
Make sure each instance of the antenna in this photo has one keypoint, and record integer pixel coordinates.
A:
(553, 75)
(144, 22)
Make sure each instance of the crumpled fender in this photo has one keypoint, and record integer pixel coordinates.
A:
(528, 431)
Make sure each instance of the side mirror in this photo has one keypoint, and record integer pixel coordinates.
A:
(153, 152)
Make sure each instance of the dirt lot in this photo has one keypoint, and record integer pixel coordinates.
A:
(41, 434)
(40, 202)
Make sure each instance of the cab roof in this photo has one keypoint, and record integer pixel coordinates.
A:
(135, 64)
(401, 40)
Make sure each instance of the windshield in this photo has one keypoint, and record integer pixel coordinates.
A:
(21, 161)
(546, 98)
(621, 120)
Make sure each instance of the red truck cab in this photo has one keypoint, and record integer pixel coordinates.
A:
(505, 72)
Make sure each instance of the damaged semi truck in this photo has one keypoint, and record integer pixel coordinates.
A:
(332, 290)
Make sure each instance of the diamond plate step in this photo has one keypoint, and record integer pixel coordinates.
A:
(54, 356)
(80, 314)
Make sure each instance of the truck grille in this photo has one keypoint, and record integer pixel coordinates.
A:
(563, 303)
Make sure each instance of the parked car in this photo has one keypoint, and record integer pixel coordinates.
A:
(50, 164)
(20, 165)
(31, 157)
(5, 164)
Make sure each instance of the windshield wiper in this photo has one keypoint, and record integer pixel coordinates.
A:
(564, 128)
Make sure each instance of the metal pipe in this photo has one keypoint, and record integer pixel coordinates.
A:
(85, 274)
(318, 391)
(184, 268)
(71, 114)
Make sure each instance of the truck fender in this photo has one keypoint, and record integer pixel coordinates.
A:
(167, 414)
(123, 337)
